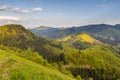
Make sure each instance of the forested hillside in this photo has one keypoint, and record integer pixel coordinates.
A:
(26, 65)
(78, 55)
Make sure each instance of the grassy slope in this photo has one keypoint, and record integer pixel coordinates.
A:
(13, 67)
(80, 38)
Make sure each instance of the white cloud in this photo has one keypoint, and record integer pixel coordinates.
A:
(10, 18)
(37, 9)
(25, 11)
(4, 7)
(17, 10)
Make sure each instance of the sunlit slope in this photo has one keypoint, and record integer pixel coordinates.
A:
(83, 37)
(13, 67)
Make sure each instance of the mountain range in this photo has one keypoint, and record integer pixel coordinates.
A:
(87, 52)
(102, 32)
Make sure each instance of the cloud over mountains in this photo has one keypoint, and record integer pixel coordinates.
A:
(18, 10)
(12, 18)
(4, 7)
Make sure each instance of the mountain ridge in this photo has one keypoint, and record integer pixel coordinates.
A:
(103, 32)
(79, 58)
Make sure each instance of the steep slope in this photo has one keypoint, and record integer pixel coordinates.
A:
(13, 67)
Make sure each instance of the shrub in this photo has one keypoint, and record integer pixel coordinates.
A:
(17, 75)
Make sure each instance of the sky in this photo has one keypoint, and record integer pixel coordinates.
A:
(59, 13)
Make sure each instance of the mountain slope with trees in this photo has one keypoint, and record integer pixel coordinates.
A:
(14, 67)
(102, 32)
(92, 61)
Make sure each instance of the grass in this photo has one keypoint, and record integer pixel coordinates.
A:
(83, 37)
(13, 67)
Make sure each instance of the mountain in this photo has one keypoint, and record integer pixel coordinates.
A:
(102, 32)
(92, 60)
(16, 35)
(43, 30)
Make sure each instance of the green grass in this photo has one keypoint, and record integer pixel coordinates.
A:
(13, 67)
(83, 37)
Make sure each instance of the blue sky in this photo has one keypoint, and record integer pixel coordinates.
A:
(59, 13)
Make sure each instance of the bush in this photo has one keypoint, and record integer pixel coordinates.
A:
(33, 56)
(17, 75)
(79, 77)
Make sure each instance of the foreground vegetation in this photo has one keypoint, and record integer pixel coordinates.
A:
(13, 67)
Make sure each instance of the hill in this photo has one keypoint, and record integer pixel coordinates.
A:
(80, 41)
(79, 38)
(16, 35)
(13, 67)
(94, 60)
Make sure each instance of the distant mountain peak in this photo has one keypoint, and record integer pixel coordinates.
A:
(42, 28)
(117, 24)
